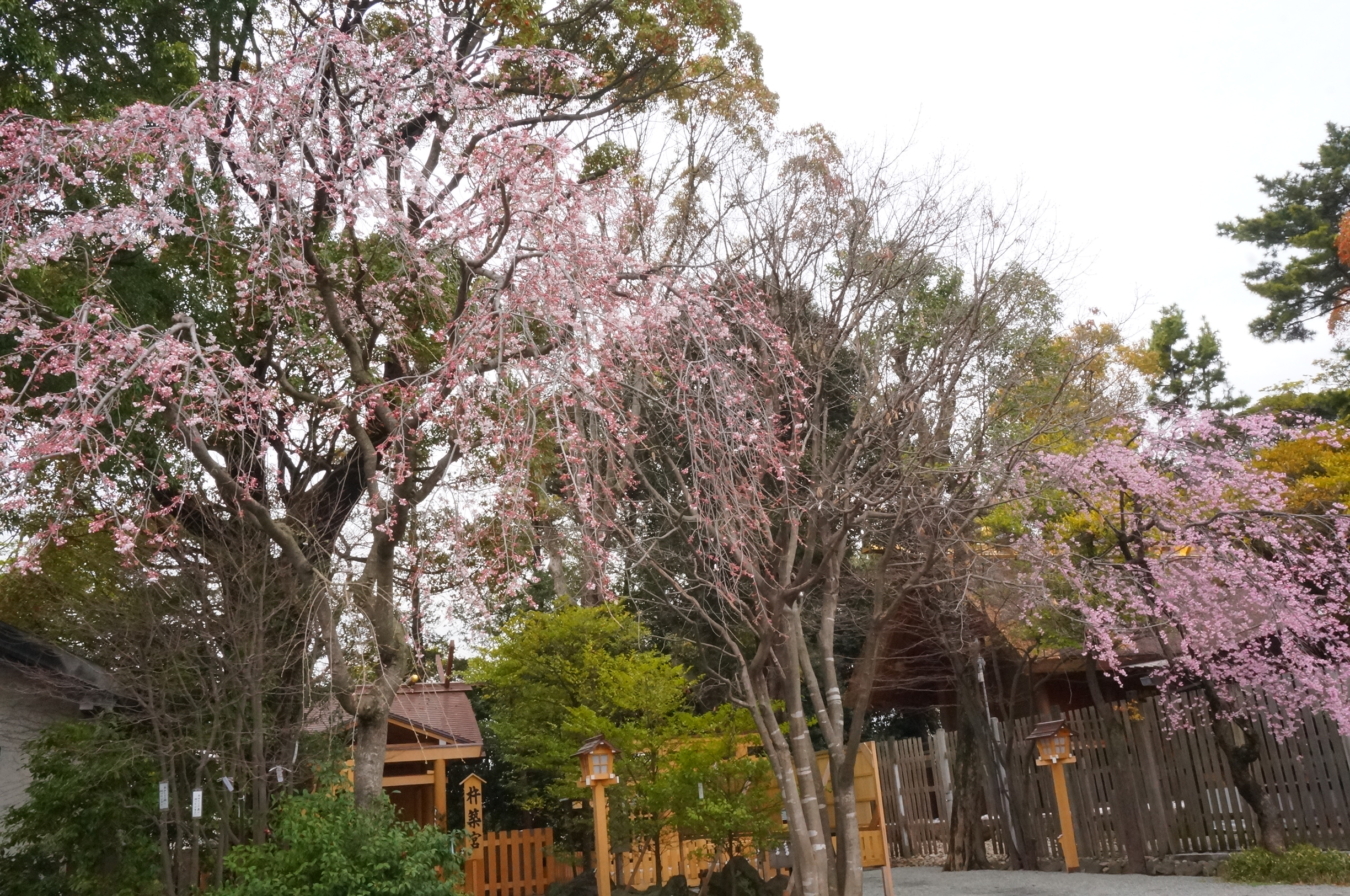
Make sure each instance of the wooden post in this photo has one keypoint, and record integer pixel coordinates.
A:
(438, 783)
(944, 774)
(881, 816)
(1067, 843)
(604, 862)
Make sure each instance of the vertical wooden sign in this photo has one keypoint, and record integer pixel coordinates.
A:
(473, 826)
(473, 812)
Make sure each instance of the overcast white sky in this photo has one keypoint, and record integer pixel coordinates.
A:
(1138, 126)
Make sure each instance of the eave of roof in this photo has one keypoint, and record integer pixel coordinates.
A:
(21, 649)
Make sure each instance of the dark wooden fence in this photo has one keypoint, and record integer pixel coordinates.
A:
(1189, 802)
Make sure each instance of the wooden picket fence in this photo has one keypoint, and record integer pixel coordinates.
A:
(1189, 802)
(524, 863)
(515, 863)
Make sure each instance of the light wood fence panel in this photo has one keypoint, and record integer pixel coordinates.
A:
(515, 863)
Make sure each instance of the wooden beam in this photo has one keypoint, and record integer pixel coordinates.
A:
(887, 883)
(407, 780)
(429, 752)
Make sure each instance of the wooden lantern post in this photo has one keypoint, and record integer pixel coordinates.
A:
(1052, 747)
(597, 772)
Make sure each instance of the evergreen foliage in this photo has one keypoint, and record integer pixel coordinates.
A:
(554, 679)
(88, 827)
(324, 846)
(75, 59)
(1301, 278)
(1185, 372)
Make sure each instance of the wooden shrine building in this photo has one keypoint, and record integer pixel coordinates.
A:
(430, 725)
(432, 728)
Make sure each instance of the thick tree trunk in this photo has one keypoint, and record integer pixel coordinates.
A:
(829, 857)
(1237, 739)
(259, 757)
(1016, 759)
(793, 760)
(372, 734)
(965, 834)
(1126, 815)
(1000, 793)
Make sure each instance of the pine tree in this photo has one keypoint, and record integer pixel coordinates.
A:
(1189, 373)
(1302, 278)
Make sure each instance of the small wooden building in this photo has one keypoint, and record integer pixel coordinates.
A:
(432, 728)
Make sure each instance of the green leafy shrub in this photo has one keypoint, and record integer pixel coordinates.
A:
(1301, 864)
(88, 827)
(324, 846)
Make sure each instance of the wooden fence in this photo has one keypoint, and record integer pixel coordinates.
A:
(1189, 802)
(515, 863)
(916, 790)
(524, 863)
(689, 858)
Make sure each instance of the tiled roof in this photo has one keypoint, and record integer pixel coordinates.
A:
(58, 667)
(442, 710)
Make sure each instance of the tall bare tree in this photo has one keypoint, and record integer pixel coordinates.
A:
(913, 310)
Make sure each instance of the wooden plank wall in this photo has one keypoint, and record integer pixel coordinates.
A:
(1189, 802)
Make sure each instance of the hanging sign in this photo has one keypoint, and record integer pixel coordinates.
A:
(163, 796)
(196, 804)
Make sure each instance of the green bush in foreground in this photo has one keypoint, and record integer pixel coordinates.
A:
(324, 846)
(88, 826)
(1301, 864)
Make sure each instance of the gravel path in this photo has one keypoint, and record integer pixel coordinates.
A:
(934, 882)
